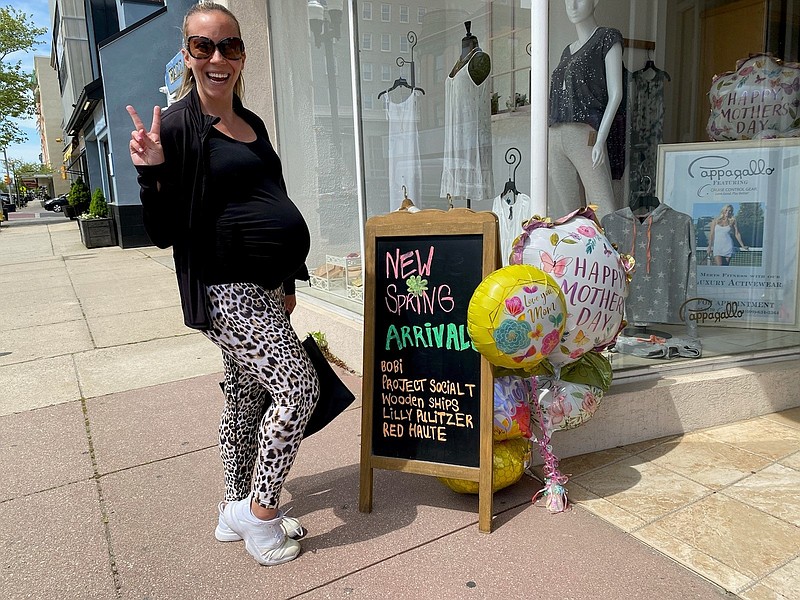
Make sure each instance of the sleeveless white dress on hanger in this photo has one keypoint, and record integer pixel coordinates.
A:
(404, 161)
(467, 163)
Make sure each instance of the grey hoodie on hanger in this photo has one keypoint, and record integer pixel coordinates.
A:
(663, 244)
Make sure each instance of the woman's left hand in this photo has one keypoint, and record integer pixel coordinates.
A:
(289, 302)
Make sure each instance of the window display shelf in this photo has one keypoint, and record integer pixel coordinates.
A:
(340, 275)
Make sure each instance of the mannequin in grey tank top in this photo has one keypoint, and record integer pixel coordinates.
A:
(467, 159)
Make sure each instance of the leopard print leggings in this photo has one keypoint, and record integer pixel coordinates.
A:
(263, 359)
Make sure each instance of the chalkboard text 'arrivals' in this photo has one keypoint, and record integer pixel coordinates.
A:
(450, 336)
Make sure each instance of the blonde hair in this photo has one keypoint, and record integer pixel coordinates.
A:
(724, 210)
(187, 82)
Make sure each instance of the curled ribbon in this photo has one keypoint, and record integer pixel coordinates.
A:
(553, 492)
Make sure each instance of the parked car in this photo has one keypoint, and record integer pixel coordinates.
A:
(6, 203)
(56, 204)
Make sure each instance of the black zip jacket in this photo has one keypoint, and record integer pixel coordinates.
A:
(175, 207)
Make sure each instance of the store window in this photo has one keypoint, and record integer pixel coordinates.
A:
(696, 178)
(695, 173)
(314, 112)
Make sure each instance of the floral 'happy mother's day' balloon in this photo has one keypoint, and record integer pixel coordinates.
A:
(590, 272)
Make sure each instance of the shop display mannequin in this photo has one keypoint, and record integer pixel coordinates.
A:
(479, 62)
(585, 93)
(467, 161)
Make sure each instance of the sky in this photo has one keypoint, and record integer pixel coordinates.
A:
(30, 150)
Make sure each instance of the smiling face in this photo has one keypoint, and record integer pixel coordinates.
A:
(579, 10)
(215, 77)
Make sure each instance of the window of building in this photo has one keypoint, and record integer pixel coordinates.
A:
(366, 71)
(421, 14)
(366, 41)
(404, 13)
(386, 42)
(386, 73)
(366, 11)
(386, 13)
(511, 63)
(404, 44)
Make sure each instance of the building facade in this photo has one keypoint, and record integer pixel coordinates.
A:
(49, 119)
(358, 98)
(707, 123)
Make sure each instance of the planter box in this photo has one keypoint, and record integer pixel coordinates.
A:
(96, 233)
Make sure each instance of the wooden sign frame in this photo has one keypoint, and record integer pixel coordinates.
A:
(434, 224)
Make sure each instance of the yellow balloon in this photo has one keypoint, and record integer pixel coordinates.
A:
(510, 457)
(516, 316)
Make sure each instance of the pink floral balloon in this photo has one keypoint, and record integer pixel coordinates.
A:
(591, 273)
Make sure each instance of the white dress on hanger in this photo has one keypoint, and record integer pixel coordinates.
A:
(467, 164)
(404, 161)
(512, 211)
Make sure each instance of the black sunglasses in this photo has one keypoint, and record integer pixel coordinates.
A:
(200, 47)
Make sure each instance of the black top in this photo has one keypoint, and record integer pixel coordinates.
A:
(261, 237)
(177, 204)
(578, 86)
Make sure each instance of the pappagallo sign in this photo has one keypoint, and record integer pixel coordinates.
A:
(761, 98)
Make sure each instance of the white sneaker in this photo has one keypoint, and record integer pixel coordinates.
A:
(290, 525)
(264, 540)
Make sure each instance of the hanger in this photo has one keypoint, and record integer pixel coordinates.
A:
(408, 203)
(644, 199)
(400, 62)
(513, 158)
(399, 82)
(651, 66)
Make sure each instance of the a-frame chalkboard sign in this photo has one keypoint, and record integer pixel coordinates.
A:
(427, 394)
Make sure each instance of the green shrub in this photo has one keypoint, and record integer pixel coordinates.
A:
(79, 196)
(98, 207)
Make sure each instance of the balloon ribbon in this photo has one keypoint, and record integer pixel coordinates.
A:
(554, 493)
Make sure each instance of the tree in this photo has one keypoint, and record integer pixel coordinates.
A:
(79, 196)
(20, 170)
(98, 208)
(28, 169)
(750, 221)
(17, 34)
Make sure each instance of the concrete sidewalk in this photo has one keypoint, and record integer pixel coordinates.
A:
(111, 475)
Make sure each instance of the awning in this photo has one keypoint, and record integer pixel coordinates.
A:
(91, 94)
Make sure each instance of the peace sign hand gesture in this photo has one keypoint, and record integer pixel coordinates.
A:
(145, 147)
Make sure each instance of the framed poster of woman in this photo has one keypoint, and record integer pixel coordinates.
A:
(742, 197)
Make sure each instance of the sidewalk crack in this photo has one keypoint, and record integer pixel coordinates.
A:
(103, 509)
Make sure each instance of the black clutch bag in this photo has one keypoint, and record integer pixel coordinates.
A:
(334, 395)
